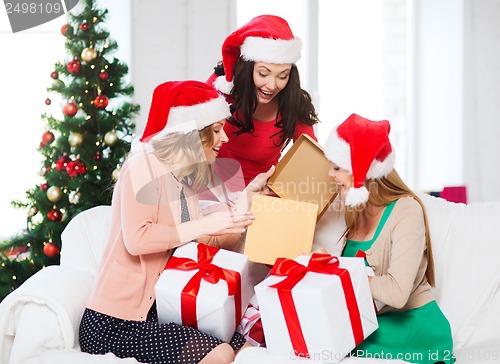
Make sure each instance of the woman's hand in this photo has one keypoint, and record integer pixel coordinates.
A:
(320, 251)
(317, 251)
(217, 207)
(227, 222)
(258, 185)
(215, 224)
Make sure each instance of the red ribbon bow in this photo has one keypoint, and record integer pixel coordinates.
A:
(210, 273)
(294, 272)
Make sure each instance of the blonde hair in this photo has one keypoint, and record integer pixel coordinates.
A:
(383, 191)
(187, 151)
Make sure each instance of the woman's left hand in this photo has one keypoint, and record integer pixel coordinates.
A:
(259, 183)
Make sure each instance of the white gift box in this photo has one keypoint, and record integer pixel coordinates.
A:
(214, 310)
(319, 323)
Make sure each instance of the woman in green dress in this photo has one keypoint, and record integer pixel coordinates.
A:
(387, 224)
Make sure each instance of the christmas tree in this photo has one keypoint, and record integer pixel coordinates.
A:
(82, 148)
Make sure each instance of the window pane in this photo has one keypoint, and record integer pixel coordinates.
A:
(350, 61)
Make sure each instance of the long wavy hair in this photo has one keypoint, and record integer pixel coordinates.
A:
(383, 191)
(294, 103)
(187, 151)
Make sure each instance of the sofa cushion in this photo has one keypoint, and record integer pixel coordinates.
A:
(84, 239)
(466, 249)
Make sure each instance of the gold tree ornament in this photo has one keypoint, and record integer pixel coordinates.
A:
(75, 139)
(116, 174)
(54, 194)
(110, 138)
(88, 54)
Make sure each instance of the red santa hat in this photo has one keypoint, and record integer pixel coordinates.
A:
(181, 107)
(265, 38)
(362, 147)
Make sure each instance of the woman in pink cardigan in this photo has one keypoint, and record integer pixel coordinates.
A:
(156, 209)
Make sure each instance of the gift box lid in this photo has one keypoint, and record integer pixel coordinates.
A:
(302, 175)
(282, 229)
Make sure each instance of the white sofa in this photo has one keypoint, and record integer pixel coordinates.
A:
(39, 321)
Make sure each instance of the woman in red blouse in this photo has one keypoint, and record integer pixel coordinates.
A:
(260, 80)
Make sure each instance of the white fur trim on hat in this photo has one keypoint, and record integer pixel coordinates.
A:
(356, 196)
(270, 50)
(222, 85)
(380, 169)
(183, 119)
(338, 151)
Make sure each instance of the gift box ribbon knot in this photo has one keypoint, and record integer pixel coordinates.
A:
(210, 273)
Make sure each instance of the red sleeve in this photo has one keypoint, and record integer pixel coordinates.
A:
(302, 128)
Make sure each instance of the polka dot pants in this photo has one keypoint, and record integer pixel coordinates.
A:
(147, 341)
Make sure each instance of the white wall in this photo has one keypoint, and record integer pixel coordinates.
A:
(456, 105)
(175, 40)
(438, 104)
(482, 100)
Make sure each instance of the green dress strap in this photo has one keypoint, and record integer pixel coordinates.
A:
(352, 246)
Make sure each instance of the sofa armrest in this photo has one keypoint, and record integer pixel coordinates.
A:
(44, 313)
(75, 356)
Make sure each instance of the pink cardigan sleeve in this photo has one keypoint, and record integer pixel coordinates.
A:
(147, 223)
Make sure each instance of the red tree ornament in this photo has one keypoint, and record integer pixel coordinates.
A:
(44, 187)
(84, 26)
(74, 66)
(76, 168)
(47, 101)
(54, 215)
(51, 250)
(54, 75)
(101, 101)
(47, 138)
(103, 75)
(62, 163)
(70, 109)
(66, 30)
